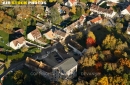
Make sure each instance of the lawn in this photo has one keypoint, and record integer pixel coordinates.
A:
(1, 71)
(84, 1)
(4, 39)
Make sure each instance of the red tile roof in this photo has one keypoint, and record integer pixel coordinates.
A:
(36, 33)
(128, 8)
(96, 19)
(18, 40)
(72, 1)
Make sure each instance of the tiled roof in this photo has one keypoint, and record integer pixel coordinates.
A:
(100, 9)
(36, 33)
(72, 1)
(18, 40)
(66, 9)
(59, 32)
(96, 19)
(128, 8)
(37, 64)
(50, 34)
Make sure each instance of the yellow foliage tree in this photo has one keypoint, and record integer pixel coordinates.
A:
(117, 53)
(103, 81)
(73, 10)
(90, 34)
(52, 0)
(109, 42)
(92, 1)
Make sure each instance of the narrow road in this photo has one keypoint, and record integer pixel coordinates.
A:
(16, 65)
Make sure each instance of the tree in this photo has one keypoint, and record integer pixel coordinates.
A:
(19, 77)
(119, 26)
(73, 10)
(79, 11)
(125, 54)
(55, 16)
(127, 17)
(109, 42)
(24, 49)
(103, 81)
(91, 51)
(52, 1)
(125, 76)
(79, 35)
(102, 56)
(87, 11)
(90, 34)
(90, 42)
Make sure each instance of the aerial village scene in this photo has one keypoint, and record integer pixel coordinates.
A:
(65, 42)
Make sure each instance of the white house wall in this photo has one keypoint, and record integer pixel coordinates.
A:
(124, 12)
(16, 47)
(30, 37)
(72, 71)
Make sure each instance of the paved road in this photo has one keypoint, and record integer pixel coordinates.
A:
(34, 44)
(16, 65)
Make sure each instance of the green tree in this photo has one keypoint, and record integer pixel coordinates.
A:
(79, 35)
(19, 77)
(125, 76)
(24, 49)
(55, 16)
(127, 17)
(119, 26)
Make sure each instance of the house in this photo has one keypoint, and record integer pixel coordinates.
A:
(77, 48)
(17, 43)
(63, 10)
(109, 3)
(57, 63)
(126, 11)
(79, 23)
(96, 20)
(128, 29)
(34, 35)
(55, 33)
(71, 3)
(114, 1)
(39, 67)
(40, 25)
(67, 69)
(99, 10)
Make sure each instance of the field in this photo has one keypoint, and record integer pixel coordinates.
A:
(4, 38)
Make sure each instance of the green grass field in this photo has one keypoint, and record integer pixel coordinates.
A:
(4, 39)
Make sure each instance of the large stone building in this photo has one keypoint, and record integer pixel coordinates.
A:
(57, 64)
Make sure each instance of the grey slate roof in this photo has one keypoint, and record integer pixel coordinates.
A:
(67, 64)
